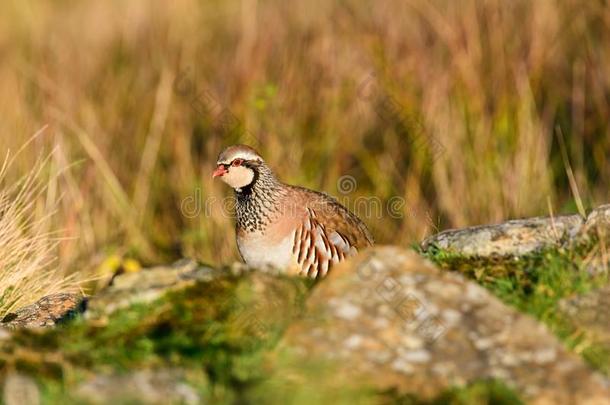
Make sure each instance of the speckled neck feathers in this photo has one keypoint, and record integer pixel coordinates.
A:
(259, 203)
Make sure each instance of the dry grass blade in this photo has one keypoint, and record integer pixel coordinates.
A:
(28, 251)
(153, 144)
(570, 173)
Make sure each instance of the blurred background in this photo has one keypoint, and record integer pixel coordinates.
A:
(470, 112)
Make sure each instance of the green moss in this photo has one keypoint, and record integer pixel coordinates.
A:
(478, 393)
(224, 331)
(221, 327)
(300, 381)
(535, 284)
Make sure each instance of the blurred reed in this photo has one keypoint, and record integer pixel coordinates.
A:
(144, 94)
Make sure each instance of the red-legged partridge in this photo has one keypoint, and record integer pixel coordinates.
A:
(283, 226)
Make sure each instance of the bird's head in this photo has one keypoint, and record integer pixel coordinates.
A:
(238, 166)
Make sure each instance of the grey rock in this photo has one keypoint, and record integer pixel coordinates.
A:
(147, 285)
(142, 387)
(20, 390)
(46, 312)
(598, 223)
(590, 312)
(597, 229)
(393, 320)
(513, 238)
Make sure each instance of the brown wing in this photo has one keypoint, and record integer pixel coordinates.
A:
(327, 235)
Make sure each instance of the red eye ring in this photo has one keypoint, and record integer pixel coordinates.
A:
(237, 162)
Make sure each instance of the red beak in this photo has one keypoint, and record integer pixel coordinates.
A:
(220, 170)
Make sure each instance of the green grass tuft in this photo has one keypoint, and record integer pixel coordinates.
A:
(535, 284)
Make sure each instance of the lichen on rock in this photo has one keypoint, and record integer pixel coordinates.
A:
(513, 238)
(46, 312)
(219, 325)
(386, 325)
(395, 321)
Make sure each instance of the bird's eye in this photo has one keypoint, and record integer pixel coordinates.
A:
(237, 162)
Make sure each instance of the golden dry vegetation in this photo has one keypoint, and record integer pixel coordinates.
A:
(459, 108)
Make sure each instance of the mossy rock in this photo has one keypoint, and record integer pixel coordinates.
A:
(220, 328)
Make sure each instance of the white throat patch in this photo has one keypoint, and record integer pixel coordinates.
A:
(238, 177)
